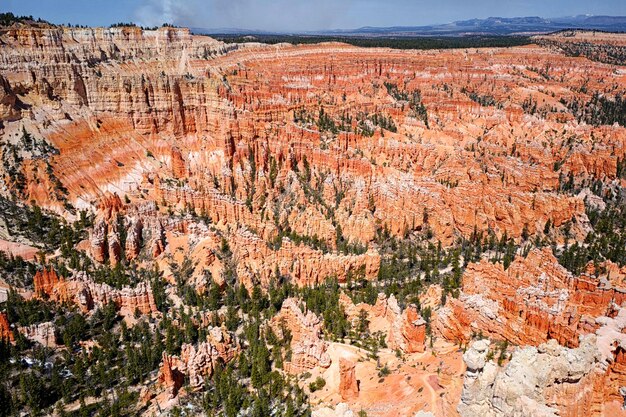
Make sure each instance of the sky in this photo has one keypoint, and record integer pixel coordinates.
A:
(298, 15)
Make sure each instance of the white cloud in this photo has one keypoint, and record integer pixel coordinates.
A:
(252, 14)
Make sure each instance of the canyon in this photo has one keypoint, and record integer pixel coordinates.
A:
(203, 191)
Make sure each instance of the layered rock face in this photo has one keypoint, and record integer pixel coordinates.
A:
(304, 265)
(570, 329)
(532, 301)
(9, 103)
(45, 281)
(548, 380)
(197, 362)
(109, 225)
(611, 343)
(308, 348)
(87, 294)
(259, 162)
(404, 330)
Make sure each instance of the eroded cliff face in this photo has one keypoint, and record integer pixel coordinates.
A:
(404, 330)
(348, 384)
(87, 294)
(548, 380)
(571, 326)
(237, 134)
(532, 382)
(534, 300)
(256, 164)
(308, 348)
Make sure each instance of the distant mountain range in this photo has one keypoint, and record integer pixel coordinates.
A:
(490, 26)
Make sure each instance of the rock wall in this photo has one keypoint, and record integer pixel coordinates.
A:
(197, 362)
(548, 380)
(208, 143)
(87, 294)
(104, 240)
(404, 330)
(304, 265)
(308, 348)
(532, 301)
(45, 281)
(570, 331)
(193, 122)
(348, 384)
(170, 378)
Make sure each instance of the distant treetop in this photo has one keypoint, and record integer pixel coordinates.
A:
(131, 24)
(7, 19)
(122, 24)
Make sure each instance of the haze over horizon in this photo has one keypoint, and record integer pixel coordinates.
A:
(298, 15)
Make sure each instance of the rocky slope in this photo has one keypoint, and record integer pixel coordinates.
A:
(526, 385)
(548, 380)
(126, 116)
(534, 300)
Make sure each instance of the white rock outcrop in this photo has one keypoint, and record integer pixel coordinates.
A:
(519, 388)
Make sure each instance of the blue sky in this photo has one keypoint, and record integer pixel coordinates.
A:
(295, 15)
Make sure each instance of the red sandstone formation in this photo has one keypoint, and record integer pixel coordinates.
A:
(179, 169)
(304, 265)
(308, 349)
(105, 238)
(134, 239)
(431, 297)
(170, 377)
(412, 332)
(197, 362)
(98, 240)
(348, 385)
(212, 130)
(534, 300)
(45, 281)
(257, 262)
(5, 328)
(105, 244)
(109, 206)
(405, 330)
(85, 293)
